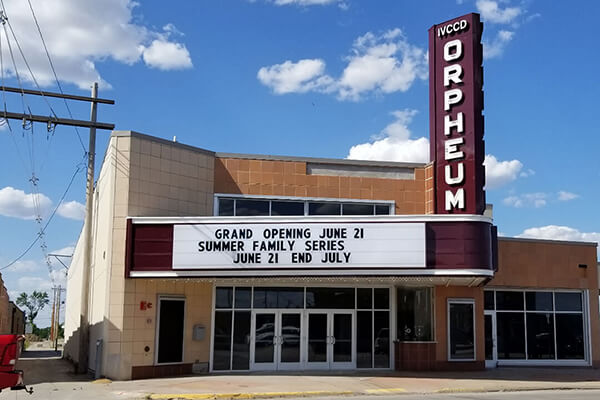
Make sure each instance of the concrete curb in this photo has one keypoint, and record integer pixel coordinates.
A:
(326, 393)
(515, 389)
(256, 395)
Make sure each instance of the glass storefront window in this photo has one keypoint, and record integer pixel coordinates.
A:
(509, 300)
(569, 337)
(222, 341)
(240, 206)
(364, 339)
(539, 301)
(324, 297)
(241, 340)
(540, 336)
(251, 208)
(511, 335)
(243, 297)
(550, 327)
(381, 324)
(224, 297)
(414, 314)
(226, 207)
(357, 209)
(287, 208)
(567, 301)
(382, 209)
(273, 297)
(324, 208)
(488, 300)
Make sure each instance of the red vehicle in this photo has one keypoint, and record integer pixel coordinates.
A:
(10, 350)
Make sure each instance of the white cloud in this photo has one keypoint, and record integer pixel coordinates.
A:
(30, 283)
(491, 12)
(496, 47)
(566, 196)
(383, 63)
(81, 33)
(556, 232)
(72, 210)
(527, 174)
(299, 77)
(166, 55)
(25, 266)
(499, 173)
(18, 204)
(394, 143)
(536, 200)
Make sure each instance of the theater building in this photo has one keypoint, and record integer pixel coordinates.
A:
(214, 262)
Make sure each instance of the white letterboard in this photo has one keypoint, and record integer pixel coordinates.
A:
(299, 245)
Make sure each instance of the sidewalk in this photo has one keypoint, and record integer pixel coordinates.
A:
(255, 385)
(52, 378)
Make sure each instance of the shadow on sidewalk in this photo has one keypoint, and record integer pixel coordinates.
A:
(47, 366)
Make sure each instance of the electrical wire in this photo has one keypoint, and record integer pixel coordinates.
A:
(25, 59)
(54, 72)
(79, 168)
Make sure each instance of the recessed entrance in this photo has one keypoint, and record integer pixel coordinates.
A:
(300, 328)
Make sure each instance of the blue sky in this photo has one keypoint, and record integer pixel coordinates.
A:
(319, 78)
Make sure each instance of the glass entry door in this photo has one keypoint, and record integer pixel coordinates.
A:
(491, 351)
(330, 340)
(276, 340)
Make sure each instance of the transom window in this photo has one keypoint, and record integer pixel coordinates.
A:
(250, 207)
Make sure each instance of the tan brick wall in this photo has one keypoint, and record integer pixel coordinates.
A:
(152, 177)
(289, 178)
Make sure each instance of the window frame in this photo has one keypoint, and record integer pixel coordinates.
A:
(432, 315)
(306, 200)
(470, 301)
(586, 327)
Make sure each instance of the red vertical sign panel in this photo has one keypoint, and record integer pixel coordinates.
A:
(455, 115)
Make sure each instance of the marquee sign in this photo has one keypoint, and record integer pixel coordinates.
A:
(456, 120)
(299, 245)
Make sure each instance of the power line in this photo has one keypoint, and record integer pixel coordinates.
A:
(54, 72)
(79, 168)
(7, 21)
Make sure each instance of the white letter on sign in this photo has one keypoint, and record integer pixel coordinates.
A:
(459, 178)
(451, 149)
(455, 200)
(452, 50)
(458, 123)
(452, 73)
(452, 96)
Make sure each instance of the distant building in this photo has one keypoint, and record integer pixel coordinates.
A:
(17, 325)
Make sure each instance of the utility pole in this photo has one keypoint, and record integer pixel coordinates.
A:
(57, 330)
(93, 124)
(84, 328)
(53, 311)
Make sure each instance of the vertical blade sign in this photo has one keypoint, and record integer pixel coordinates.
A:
(455, 115)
